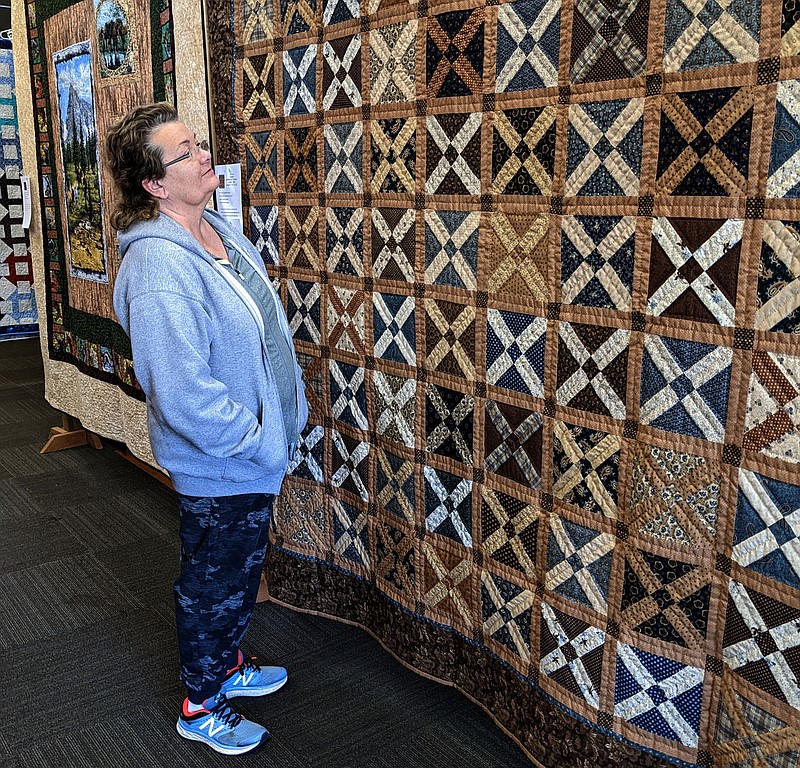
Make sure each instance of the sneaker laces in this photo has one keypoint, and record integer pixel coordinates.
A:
(249, 665)
(224, 712)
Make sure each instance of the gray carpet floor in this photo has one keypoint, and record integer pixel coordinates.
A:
(88, 672)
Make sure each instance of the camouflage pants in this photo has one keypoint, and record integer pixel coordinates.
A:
(223, 545)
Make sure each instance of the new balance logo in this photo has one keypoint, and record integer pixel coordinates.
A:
(244, 679)
(212, 726)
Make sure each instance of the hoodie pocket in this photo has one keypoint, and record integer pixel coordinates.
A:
(243, 470)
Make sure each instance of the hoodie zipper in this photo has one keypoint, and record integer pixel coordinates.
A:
(256, 313)
(279, 311)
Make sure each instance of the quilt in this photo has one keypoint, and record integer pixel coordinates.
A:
(18, 314)
(541, 260)
(90, 60)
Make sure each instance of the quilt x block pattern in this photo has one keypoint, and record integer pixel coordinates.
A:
(541, 263)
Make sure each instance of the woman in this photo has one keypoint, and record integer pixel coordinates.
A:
(225, 402)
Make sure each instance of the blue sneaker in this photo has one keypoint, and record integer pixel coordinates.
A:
(251, 679)
(221, 728)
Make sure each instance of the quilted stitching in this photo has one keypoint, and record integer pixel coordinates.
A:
(604, 147)
(527, 44)
(710, 34)
(597, 256)
(772, 421)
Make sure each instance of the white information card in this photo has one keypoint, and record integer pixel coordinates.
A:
(229, 193)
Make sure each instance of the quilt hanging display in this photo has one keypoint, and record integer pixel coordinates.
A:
(18, 314)
(541, 260)
(90, 61)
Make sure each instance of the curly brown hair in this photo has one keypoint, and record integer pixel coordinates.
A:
(132, 158)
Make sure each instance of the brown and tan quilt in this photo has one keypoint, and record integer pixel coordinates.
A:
(542, 266)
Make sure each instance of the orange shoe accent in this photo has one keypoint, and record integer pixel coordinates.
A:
(186, 712)
(239, 660)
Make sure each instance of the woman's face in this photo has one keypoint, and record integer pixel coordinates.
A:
(191, 180)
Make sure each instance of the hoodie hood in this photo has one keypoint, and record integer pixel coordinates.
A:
(166, 228)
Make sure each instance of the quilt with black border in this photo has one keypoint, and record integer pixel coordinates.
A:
(81, 329)
(541, 261)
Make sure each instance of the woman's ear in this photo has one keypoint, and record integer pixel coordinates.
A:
(155, 188)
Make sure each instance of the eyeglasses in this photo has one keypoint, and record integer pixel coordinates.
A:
(193, 152)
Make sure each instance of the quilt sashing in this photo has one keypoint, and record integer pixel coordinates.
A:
(540, 258)
(772, 419)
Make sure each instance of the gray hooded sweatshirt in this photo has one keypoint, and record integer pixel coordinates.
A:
(200, 355)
